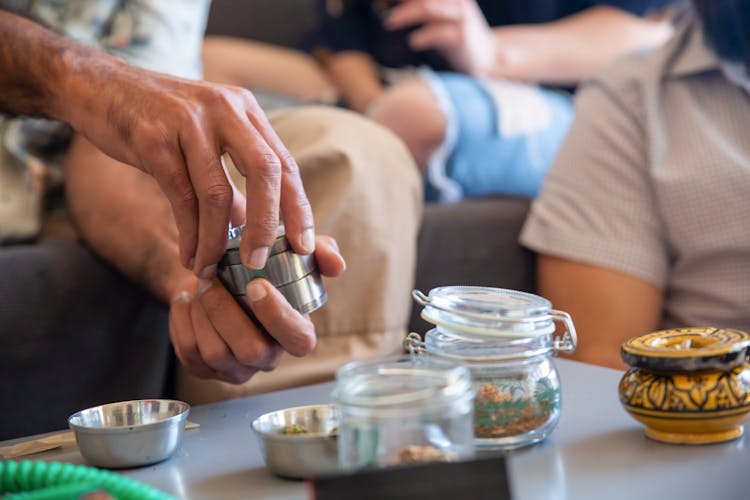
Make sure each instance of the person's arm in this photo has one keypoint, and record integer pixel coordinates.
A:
(355, 75)
(123, 215)
(342, 46)
(573, 48)
(32, 65)
(289, 72)
(603, 251)
(608, 307)
(173, 129)
(561, 52)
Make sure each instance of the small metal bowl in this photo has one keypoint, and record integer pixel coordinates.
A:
(130, 433)
(304, 455)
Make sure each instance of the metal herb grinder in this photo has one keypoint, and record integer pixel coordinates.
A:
(295, 276)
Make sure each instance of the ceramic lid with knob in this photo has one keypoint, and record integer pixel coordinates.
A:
(688, 349)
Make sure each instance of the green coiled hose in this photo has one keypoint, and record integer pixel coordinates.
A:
(37, 480)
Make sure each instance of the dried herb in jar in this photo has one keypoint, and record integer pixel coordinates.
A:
(501, 411)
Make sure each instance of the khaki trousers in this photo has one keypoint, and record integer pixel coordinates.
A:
(366, 192)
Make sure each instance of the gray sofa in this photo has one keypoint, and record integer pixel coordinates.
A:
(87, 336)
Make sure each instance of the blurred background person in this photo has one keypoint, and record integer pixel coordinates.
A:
(479, 91)
(642, 221)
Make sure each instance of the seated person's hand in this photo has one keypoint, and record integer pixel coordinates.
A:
(214, 338)
(455, 28)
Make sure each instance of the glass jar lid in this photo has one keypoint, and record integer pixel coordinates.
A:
(487, 311)
(397, 383)
(688, 349)
(484, 324)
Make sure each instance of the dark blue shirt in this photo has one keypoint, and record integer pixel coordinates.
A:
(357, 25)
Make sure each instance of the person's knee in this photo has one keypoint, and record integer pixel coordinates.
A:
(315, 133)
(412, 112)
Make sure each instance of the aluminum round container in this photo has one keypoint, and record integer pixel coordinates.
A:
(130, 433)
(300, 456)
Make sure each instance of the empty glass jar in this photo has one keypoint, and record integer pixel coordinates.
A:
(403, 411)
(505, 338)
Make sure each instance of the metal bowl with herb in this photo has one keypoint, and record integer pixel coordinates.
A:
(300, 442)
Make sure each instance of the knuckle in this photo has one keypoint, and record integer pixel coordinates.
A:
(269, 224)
(217, 96)
(186, 112)
(152, 140)
(180, 188)
(216, 356)
(249, 99)
(251, 353)
(289, 163)
(218, 194)
(268, 165)
(274, 359)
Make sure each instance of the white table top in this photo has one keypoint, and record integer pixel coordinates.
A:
(597, 451)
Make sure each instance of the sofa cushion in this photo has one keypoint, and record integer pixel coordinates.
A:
(73, 334)
(474, 242)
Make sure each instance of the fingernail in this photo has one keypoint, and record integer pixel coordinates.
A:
(208, 272)
(308, 240)
(191, 263)
(183, 296)
(255, 291)
(335, 245)
(203, 285)
(258, 258)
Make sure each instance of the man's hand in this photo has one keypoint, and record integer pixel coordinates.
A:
(214, 338)
(177, 130)
(455, 28)
(173, 129)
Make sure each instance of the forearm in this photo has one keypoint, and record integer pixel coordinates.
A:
(289, 72)
(571, 49)
(123, 215)
(39, 68)
(356, 77)
(31, 61)
(607, 307)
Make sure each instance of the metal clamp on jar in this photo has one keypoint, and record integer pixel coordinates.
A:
(295, 276)
(506, 339)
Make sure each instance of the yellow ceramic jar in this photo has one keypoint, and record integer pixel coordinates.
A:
(688, 385)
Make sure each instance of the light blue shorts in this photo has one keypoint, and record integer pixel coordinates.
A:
(501, 137)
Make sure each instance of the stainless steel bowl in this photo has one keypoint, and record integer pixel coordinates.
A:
(300, 456)
(130, 433)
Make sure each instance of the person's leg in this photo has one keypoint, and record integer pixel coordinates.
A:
(365, 191)
(476, 138)
(412, 111)
(501, 136)
(263, 67)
